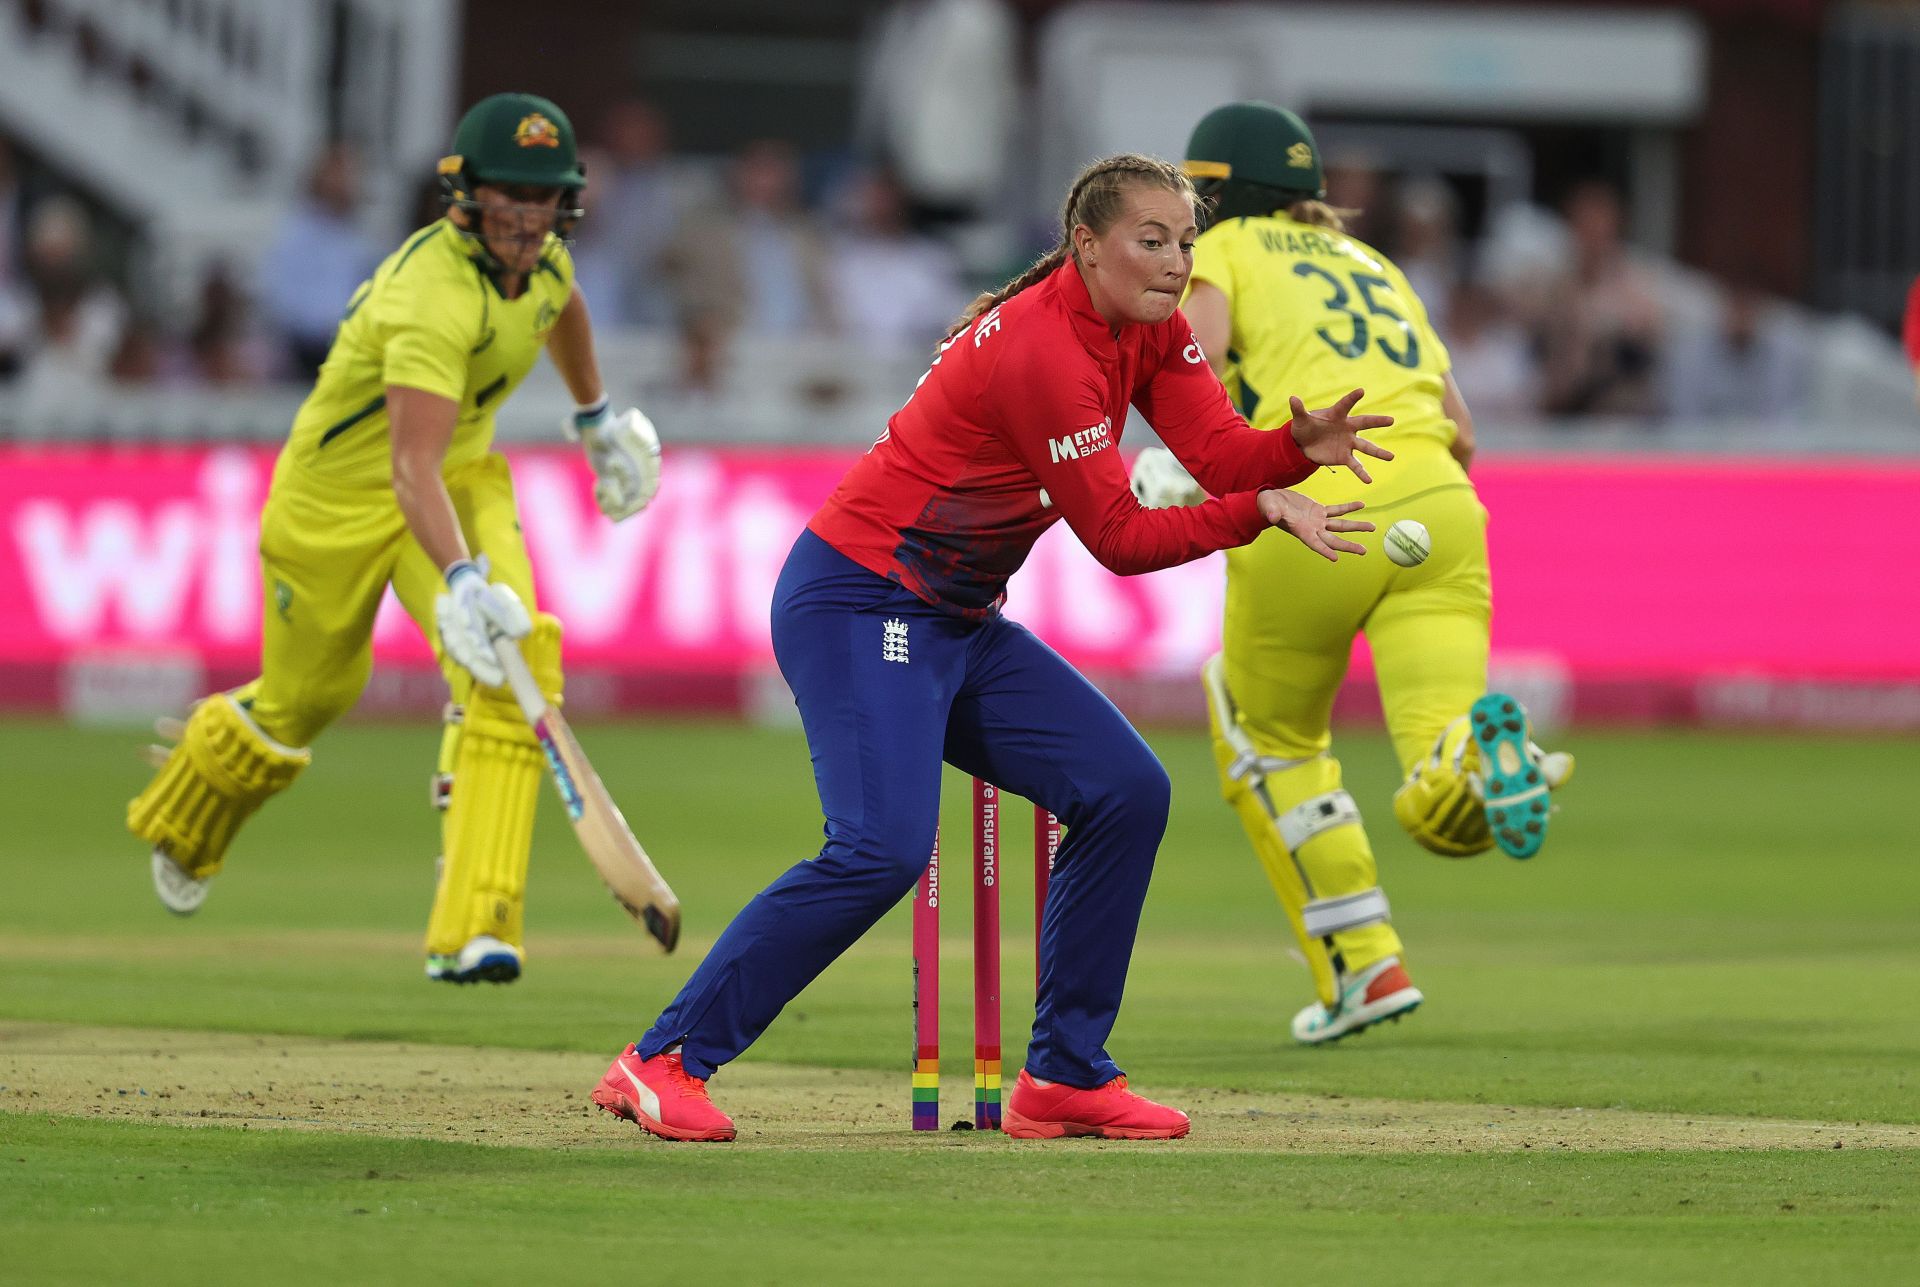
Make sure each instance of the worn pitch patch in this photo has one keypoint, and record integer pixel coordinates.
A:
(539, 1099)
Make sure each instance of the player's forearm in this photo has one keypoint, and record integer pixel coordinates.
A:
(430, 516)
(571, 346)
(1132, 540)
(1237, 458)
(1190, 410)
(1093, 496)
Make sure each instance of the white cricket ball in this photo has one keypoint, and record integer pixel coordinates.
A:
(1407, 543)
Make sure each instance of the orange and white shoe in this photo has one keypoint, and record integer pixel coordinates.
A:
(661, 1097)
(1046, 1110)
(1381, 991)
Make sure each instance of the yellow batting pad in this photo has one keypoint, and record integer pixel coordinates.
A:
(1439, 804)
(1333, 866)
(220, 771)
(1285, 878)
(1345, 910)
(488, 826)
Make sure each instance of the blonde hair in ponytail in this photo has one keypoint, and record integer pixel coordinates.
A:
(1096, 199)
(1318, 214)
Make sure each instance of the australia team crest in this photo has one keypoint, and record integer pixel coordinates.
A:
(535, 130)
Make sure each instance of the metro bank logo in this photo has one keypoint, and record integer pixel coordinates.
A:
(1084, 443)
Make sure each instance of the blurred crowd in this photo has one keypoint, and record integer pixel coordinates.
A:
(1547, 314)
(1552, 315)
(755, 248)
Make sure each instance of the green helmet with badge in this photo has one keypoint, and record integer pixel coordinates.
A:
(515, 140)
(1252, 159)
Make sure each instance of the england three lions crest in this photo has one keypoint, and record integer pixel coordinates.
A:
(893, 640)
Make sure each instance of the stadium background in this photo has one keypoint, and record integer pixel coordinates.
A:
(1669, 245)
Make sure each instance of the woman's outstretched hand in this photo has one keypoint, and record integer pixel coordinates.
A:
(1314, 525)
(1331, 436)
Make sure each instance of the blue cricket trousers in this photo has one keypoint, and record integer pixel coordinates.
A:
(888, 687)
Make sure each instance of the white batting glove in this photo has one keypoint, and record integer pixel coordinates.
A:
(1160, 481)
(624, 451)
(471, 613)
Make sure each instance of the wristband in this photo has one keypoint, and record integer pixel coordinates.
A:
(458, 566)
(592, 413)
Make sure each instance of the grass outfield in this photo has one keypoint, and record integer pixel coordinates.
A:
(1637, 1058)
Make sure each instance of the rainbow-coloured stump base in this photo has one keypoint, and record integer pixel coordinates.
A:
(926, 996)
(986, 1088)
(926, 1091)
(987, 875)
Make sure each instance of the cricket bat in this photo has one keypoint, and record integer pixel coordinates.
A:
(597, 821)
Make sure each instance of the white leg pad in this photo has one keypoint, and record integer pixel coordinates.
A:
(1249, 766)
(1324, 916)
(1311, 817)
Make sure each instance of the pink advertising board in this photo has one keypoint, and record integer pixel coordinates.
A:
(1640, 588)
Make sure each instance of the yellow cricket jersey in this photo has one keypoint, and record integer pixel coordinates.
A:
(1318, 314)
(429, 318)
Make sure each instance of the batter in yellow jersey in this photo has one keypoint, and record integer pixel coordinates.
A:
(1316, 313)
(1282, 299)
(432, 317)
(389, 478)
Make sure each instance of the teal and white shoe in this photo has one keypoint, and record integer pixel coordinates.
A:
(1381, 991)
(485, 959)
(1514, 775)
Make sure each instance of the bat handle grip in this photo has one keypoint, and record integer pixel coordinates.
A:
(526, 690)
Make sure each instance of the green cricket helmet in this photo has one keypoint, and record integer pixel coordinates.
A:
(1252, 159)
(515, 140)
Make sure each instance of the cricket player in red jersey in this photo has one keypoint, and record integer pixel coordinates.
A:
(887, 625)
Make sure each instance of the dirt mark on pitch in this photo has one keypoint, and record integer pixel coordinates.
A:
(539, 1099)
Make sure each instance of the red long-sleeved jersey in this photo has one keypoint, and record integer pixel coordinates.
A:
(1031, 399)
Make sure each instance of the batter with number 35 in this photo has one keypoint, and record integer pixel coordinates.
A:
(1283, 298)
(390, 478)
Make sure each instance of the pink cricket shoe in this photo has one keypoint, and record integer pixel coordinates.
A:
(661, 1098)
(1045, 1110)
